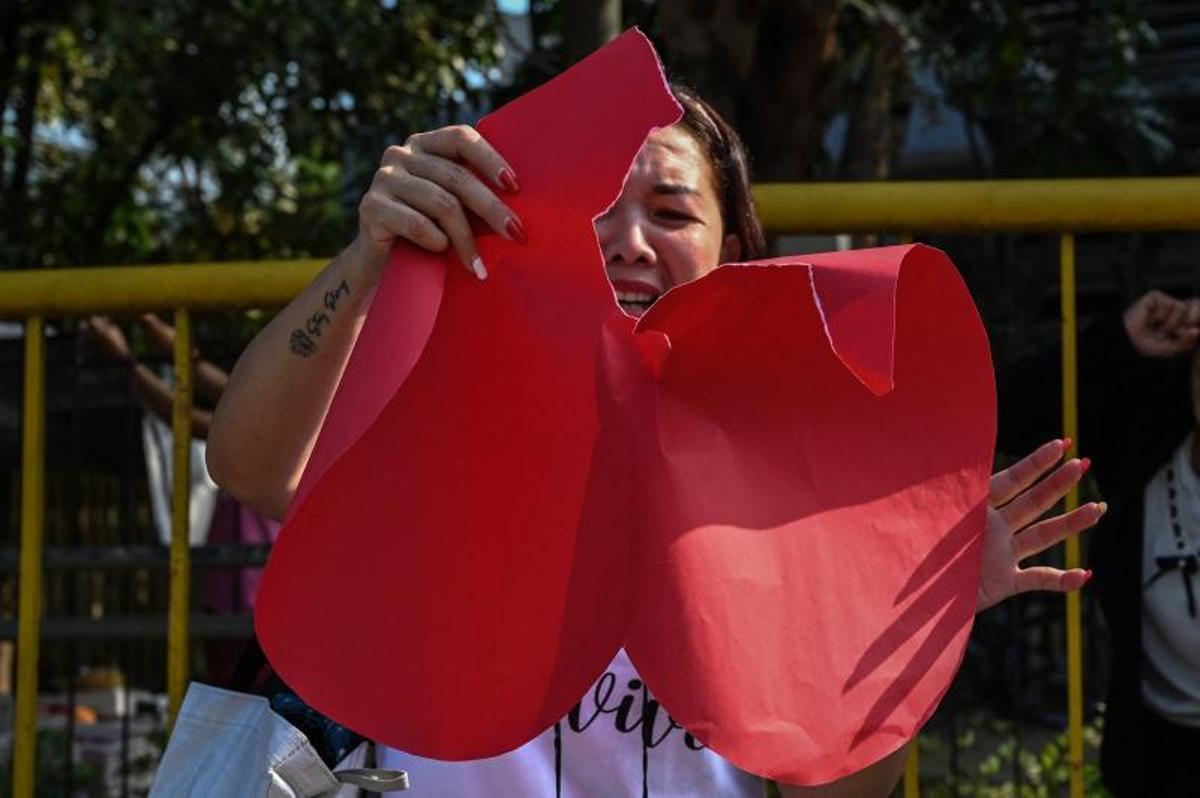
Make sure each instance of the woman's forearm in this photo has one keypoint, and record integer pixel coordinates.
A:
(210, 379)
(267, 420)
(159, 399)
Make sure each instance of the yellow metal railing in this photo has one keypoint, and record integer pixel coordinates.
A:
(38, 294)
(1060, 206)
(1053, 206)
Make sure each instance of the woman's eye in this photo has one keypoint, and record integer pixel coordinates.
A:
(675, 216)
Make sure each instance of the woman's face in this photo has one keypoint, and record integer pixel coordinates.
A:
(665, 229)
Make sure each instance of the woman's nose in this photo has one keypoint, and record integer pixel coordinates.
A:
(623, 240)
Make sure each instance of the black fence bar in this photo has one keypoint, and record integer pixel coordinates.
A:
(103, 558)
(133, 627)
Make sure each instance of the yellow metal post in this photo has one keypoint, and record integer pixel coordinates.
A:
(181, 478)
(912, 772)
(29, 611)
(1071, 429)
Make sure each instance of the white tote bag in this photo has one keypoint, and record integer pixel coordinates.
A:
(231, 745)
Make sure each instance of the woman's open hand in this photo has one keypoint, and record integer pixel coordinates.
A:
(1017, 499)
(424, 189)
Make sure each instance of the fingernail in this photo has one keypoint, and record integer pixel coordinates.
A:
(515, 231)
(477, 267)
(1085, 463)
(1087, 576)
(1066, 443)
(508, 180)
(1103, 507)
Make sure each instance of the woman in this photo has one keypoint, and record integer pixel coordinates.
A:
(685, 208)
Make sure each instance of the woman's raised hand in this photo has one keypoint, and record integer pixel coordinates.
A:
(1159, 325)
(1017, 499)
(107, 338)
(424, 190)
(428, 192)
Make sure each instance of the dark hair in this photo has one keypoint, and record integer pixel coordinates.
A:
(730, 165)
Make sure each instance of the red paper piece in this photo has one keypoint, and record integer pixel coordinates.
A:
(770, 489)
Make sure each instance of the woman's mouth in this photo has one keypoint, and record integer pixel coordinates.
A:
(635, 296)
(635, 303)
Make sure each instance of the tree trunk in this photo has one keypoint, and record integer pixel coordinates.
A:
(770, 67)
(588, 25)
(880, 111)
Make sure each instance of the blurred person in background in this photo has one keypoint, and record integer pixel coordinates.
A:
(216, 517)
(1139, 406)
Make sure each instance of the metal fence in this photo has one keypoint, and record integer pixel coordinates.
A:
(1062, 207)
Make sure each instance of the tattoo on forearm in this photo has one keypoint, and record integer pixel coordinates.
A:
(303, 341)
(301, 344)
(332, 297)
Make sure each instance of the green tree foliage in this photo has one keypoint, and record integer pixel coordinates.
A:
(171, 130)
(141, 131)
(1052, 88)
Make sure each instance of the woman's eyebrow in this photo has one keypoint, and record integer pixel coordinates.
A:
(673, 188)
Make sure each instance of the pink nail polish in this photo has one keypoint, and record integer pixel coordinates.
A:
(508, 180)
(1085, 463)
(515, 231)
(478, 267)
(1087, 576)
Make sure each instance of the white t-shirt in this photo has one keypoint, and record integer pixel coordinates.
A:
(1170, 636)
(616, 742)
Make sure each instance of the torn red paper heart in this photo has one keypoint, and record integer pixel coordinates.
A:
(770, 488)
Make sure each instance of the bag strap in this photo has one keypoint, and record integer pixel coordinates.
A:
(253, 674)
(373, 779)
